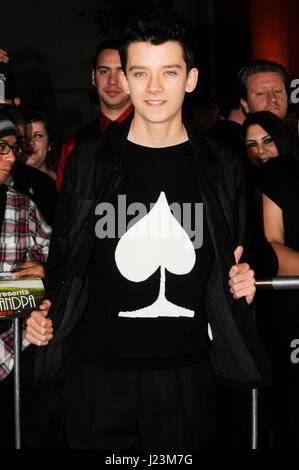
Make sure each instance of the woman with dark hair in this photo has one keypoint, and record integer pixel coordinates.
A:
(265, 136)
(267, 142)
(270, 148)
(278, 182)
(43, 148)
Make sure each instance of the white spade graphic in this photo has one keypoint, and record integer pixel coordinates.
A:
(157, 240)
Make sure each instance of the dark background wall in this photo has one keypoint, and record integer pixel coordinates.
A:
(52, 43)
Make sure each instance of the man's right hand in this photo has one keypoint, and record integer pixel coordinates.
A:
(39, 330)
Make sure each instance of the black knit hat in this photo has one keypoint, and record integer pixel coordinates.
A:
(6, 126)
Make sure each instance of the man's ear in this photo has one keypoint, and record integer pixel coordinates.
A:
(124, 82)
(192, 79)
(93, 80)
(244, 105)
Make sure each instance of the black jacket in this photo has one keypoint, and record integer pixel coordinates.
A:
(94, 172)
(88, 132)
(39, 187)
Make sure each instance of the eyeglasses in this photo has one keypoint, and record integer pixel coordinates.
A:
(6, 148)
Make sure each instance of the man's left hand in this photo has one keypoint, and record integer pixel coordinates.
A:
(242, 280)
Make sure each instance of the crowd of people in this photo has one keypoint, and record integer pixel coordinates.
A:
(143, 341)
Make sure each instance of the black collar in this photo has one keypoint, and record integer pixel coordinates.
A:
(116, 139)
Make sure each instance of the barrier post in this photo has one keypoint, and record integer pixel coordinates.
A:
(276, 283)
(254, 416)
(17, 387)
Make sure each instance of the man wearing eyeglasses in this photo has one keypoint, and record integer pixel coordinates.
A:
(20, 221)
(24, 242)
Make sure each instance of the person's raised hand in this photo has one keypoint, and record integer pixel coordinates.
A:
(241, 278)
(39, 330)
(3, 56)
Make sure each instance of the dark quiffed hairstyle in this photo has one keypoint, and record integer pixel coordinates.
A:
(112, 43)
(52, 159)
(258, 66)
(157, 30)
(275, 127)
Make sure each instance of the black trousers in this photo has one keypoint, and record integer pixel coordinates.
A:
(42, 412)
(43, 424)
(123, 409)
(7, 414)
(286, 389)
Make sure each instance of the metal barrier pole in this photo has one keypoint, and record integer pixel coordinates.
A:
(17, 388)
(279, 283)
(254, 418)
(276, 283)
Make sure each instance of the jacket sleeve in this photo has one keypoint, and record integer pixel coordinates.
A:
(62, 226)
(243, 230)
(67, 148)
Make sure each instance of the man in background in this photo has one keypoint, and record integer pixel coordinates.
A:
(115, 105)
(264, 86)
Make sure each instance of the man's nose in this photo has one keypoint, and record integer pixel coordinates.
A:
(10, 157)
(113, 78)
(154, 84)
(271, 97)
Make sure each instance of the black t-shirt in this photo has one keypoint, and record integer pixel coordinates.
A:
(147, 278)
(278, 180)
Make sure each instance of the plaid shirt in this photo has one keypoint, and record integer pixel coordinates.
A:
(6, 351)
(24, 237)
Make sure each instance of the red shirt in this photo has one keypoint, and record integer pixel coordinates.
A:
(70, 143)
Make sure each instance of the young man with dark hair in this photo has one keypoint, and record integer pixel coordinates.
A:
(264, 86)
(115, 105)
(146, 316)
